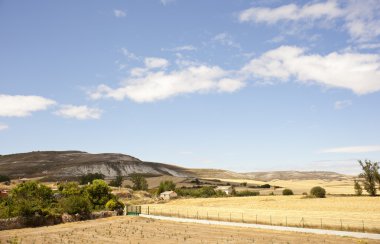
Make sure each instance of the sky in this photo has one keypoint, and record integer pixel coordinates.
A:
(238, 85)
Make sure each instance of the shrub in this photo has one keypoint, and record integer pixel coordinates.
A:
(75, 204)
(139, 182)
(99, 193)
(358, 188)
(318, 191)
(69, 189)
(29, 198)
(287, 192)
(90, 177)
(114, 205)
(304, 193)
(166, 185)
(247, 193)
(206, 191)
(271, 194)
(117, 182)
(265, 186)
(4, 178)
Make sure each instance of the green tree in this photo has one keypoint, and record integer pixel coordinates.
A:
(114, 204)
(117, 182)
(29, 198)
(75, 204)
(369, 176)
(4, 178)
(318, 191)
(287, 192)
(139, 182)
(166, 185)
(358, 188)
(99, 193)
(90, 177)
(69, 189)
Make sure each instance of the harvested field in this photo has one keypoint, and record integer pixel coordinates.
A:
(340, 213)
(139, 230)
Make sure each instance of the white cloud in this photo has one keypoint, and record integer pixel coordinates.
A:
(354, 71)
(3, 126)
(79, 112)
(342, 104)
(128, 53)
(21, 106)
(180, 48)
(226, 40)
(119, 13)
(361, 18)
(356, 149)
(150, 86)
(291, 12)
(153, 63)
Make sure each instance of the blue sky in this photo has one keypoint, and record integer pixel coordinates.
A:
(239, 85)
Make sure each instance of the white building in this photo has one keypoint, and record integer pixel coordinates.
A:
(166, 195)
(225, 189)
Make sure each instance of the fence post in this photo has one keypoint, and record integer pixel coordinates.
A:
(207, 215)
(218, 216)
(341, 224)
(363, 224)
(256, 218)
(270, 219)
(178, 213)
(197, 214)
(230, 217)
(286, 221)
(242, 217)
(321, 223)
(148, 210)
(303, 223)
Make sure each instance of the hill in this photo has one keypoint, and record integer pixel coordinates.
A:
(56, 165)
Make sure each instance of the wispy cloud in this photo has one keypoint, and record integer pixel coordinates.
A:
(354, 71)
(119, 13)
(354, 149)
(3, 126)
(180, 48)
(342, 104)
(226, 40)
(21, 106)
(361, 19)
(166, 2)
(79, 112)
(128, 54)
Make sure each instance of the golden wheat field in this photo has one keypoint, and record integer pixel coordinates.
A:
(344, 186)
(131, 230)
(346, 213)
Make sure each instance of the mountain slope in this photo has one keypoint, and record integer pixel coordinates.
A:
(62, 164)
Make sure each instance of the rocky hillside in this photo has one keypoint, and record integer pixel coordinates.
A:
(67, 164)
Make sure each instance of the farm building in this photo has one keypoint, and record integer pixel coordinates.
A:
(225, 189)
(166, 195)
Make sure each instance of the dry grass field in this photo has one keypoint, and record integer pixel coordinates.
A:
(343, 186)
(139, 230)
(346, 213)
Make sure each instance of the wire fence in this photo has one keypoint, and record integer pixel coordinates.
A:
(344, 224)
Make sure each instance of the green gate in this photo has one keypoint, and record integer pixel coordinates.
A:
(133, 210)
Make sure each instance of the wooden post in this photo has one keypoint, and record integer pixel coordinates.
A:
(363, 224)
(207, 215)
(286, 220)
(321, 223)
(230, 217)
(148, 210)
(256, 218)
(270, 219)
(341, 224)
(218, 216)
(197, 214)
(242, 217)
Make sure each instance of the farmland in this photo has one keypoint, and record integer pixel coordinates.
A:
(346, 213)
(139, 230)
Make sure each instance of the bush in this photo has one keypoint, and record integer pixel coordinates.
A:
(117, 182)
(287, 192)
(271, 194)
(139, 182)
(247, 193)
(4, 178)
(69, 189)
(166, 185)
(318, 191)
(114, 205)
(29, 198)
(75, 204)
(265, 186)
(206, 191)
(90, 177)
(99, 193)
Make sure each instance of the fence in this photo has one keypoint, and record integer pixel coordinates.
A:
(344, 224)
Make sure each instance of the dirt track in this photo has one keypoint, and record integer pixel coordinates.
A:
(140, 230)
